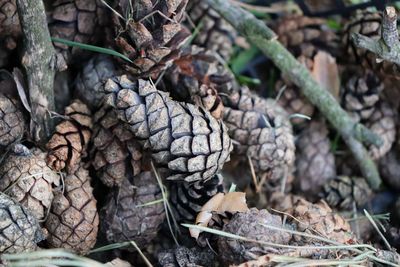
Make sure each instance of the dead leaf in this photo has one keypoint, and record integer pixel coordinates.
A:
(20, 83)
(325, 72)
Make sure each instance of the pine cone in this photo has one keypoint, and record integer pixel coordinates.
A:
(126, 216)
(183, 256)
(263, 131)
(89, 81)
(215, 33)
(187, 199)
(10, 30)
(152, 36)
(186, 142)
(315, 163)
(389, 168)
(68, 144)
(12, 123)
(26, 178)
(73, 220)
(361, 94)
(249, 225)
(343, 191)
(20, 231)
(116, 154)
(78, 21)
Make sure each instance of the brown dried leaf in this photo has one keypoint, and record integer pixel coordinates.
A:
(325, 72)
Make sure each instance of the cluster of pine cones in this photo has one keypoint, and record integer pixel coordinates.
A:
(141, 145)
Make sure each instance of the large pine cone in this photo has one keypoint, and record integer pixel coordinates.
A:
(20, 230)
(26, 178)
(73, 220)
(129, 214)
(185, 141)
(68, 144)
(116, 154)
(187, 199)
(10, 30)
(183, 256)
(344, 191)
(151, 35)
(89, 81)
(315, 163)
(12, 123)
(215, 33)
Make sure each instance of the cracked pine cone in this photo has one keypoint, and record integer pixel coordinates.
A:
(215, 34)
(361, 94)
(10, 30)
(27, 178)
(69, 142)
(12, 123)
(152, 36)
(20, 230)
(116, 154)
(185, 257)
(73, 220)
(315, 163)
(126, 216)
(186, 142)
(90, 79)
(344, 191)
(187, 199)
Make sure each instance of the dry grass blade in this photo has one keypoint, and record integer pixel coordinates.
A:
(371, 220)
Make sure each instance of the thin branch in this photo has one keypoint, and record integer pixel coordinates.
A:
(266, 40)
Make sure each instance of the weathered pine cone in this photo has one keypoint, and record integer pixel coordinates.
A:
(183, 256)
(187, 199)
(315, 163)
(90, 79)
(12, 123)
(186, 142)
(27, 178)
(116, 154)
(215, 33)
(152, 36)
(10, 30)
(344, 191)
(73, 220)
(69, 142)
(128, 214)
(20, 230)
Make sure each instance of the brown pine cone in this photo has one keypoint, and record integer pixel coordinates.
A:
(68, 144)
(10, 30)
(152, 36)
(315, 163)
(361, 94)
(26, 178)
(129, 214)
(186, 142)
(20, 230)
(342, 191)
(187, 199)
(183, 256)
(12, 123)
(73, 220)
(116, 154)
(215, 33)
(78, 21)
(89, 81)
(389, 168)
(262, 130)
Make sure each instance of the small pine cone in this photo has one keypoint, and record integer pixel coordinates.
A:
(216, 34)
(185, 141)
(126, 216)
(249, 225)
(27, 178)
(361, 94)
(20, 230)
(183, 256)
(89, 81)
(78, 21)
(389, 168)
(315, 163)
(344, 191)
(116, 154)
(383, 123)
(12, 123)
(68, 144)
(263, 131)
(10, 30)
(73, 220)
(153, 36)
(187, 199)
